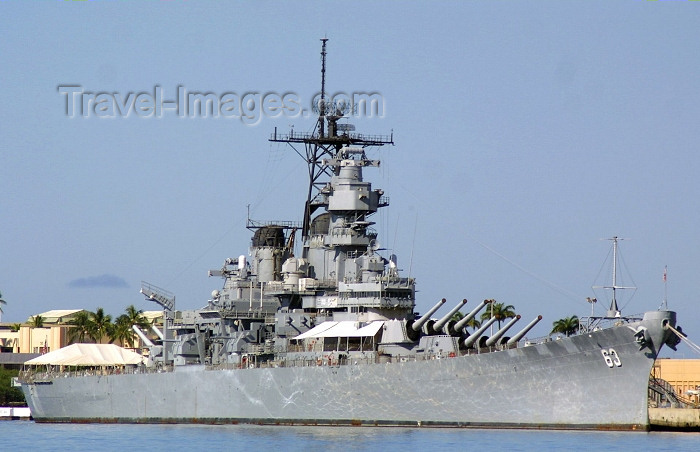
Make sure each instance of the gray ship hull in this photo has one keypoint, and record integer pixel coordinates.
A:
(571, 383)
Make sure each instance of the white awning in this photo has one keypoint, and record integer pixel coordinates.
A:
(346, 328)
(369, 330)
(317, 331)
(88, 355)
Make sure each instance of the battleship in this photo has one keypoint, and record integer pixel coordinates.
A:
(330, 335)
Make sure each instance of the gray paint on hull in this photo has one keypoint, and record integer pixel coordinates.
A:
(559, 384)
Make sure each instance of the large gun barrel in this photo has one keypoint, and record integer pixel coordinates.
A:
(419, 323)
(524, 331)
(462, 323)
(440, 324)
(413, 327)
(494, 339)
(158, 332)
(143, 337)
(468, 342)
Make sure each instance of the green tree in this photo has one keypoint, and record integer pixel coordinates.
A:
(474, 323)
(122, 332)
(15, 327)
(123, 326)
(82, 327)
(9, 395)
(37, 321)
(566, 326)
(137, 318)
(500, 311)
(102, 324)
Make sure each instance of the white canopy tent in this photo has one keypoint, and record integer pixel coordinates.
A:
(89, 355)
(345, 328)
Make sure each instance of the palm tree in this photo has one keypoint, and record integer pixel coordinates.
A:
(82, 327)
(2, 302)
(37, 321)
(500, 311)
(473, 323)
(567, 325)
(15, 327)
(102, 324)
(123, 331)
(137, 318)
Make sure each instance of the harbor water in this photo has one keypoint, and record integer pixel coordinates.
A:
(27, 435)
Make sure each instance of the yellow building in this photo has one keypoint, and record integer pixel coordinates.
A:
(29, 339)
(154, 317)
(54, 332)
(9, 338)
(52, 336)
(682, 374)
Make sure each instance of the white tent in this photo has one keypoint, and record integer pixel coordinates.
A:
(89, 355)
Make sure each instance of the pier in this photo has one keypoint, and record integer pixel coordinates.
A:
(674, 419)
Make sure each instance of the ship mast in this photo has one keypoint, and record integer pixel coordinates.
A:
(614, 311)
(325, 142)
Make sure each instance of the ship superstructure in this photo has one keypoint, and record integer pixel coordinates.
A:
(272, 296)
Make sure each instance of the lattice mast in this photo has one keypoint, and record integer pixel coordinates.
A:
(325, 142)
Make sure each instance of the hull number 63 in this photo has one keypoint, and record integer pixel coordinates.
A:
(611, 358)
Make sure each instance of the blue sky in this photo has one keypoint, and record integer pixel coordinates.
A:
(525, 133)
